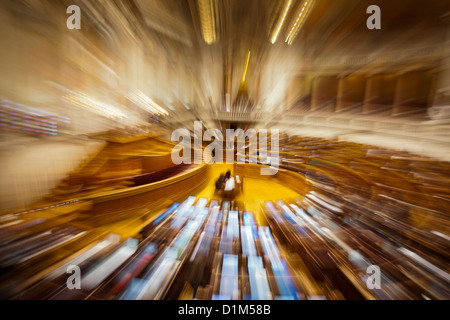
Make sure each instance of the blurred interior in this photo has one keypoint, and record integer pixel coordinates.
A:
(88, 178)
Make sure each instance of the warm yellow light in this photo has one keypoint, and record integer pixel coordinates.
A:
(295, 29)
(207, 20)
(280, 22)
(83, 101)
(144, 102)
(246, 67)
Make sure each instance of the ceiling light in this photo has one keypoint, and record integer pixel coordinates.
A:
(280, 22)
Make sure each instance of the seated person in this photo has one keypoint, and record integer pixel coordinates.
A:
(219, 183)
(229, 184)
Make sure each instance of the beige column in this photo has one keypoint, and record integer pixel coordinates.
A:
(299, 92)
(351, 91)
(324, 90)
(379, 92)
(412, 91)
(440, 92)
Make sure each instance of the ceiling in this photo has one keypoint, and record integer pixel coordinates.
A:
(163, 49)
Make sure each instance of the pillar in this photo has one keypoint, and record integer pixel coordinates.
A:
(412, 92)
(440, 96)
(324, 90)
(351, 91)
(379, 92)
(299, 92)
